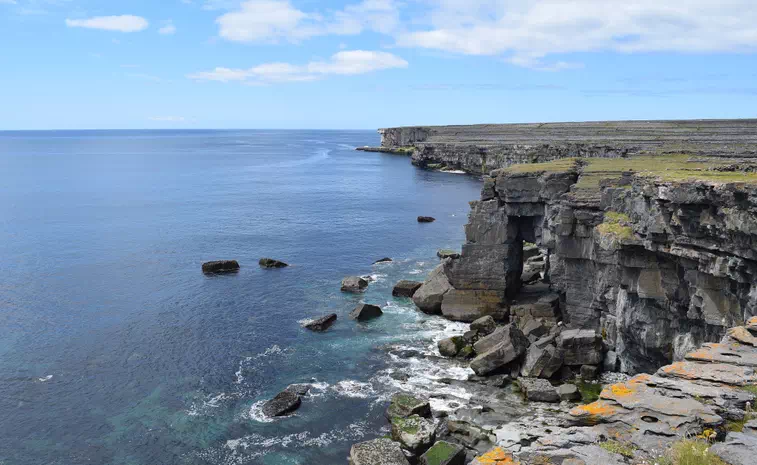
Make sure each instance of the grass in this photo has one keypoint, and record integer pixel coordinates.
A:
(615, 447)
(752, 389)
(690, 452)
(439, 453)
(616, 225)
(555, 166)
(589, 391)
(737, 426)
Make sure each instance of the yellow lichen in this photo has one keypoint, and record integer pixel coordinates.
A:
(496, 456)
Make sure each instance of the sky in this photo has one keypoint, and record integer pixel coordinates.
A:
(364, 64)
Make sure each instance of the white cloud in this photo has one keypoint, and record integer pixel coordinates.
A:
(341, 63)
(167, 29)
(277, 20)
(527, 31)
(123, 23)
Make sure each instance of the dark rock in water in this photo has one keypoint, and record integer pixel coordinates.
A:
(383, 260)
(399, 376)
(538, 390)
(484, 325)
(444, 453)
(447, 253)
(377, 452)
(299, 389)
(271, 263)
(471, 336)
(406, 288)
(284, 402)
(450, 347)
(568, 392)
(416, 434)
(426, 219)
(220, 266)
(428, 298)
(589, 372)
(405, 405)
(365, 312)
(354, 284)
(322, 324)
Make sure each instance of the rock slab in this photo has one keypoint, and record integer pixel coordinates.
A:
(220, 266)
(321, 324)
(365, 312)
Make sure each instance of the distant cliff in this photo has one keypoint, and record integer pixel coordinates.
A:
(478, 149)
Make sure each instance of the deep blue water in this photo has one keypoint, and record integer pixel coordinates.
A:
(116, 349)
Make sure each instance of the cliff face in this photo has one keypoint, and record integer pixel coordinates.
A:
(657, 254)
(480, 148)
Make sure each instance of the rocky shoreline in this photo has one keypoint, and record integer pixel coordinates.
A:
(611, 302)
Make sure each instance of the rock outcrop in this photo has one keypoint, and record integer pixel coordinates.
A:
(220, 266)
(354, 284)
(406, 288)
(271, 263)
(365, 312)
(321, 324)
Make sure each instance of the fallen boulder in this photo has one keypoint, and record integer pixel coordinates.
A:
(321, 324)
(285, 402)
(484, 325)
(444, 453)
(538, 390)
(220, 266)
(451, 346)
(377, 452)
(405, 405)
(271, 263)
(354, 284)
(426, 219)
(406, 288)
(365, 312)
(416, 434)
(541, 362)
(428, 298)
(503, 346)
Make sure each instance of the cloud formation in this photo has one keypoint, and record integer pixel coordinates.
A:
(342, 63)
(123, 23)
(167, 29)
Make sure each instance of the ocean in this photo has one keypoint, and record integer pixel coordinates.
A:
(116, 349)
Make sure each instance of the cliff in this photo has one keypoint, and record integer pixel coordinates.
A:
(479, 149)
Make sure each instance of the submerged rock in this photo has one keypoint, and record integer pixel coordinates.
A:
(285, 402)
(364, 312)
(406, 288)
(428, 298)
(220, 266)
(321, 324)
(271, 263)
(416, 434)
(377, 452)
(354, 284)
(444, 453)
(426, 219)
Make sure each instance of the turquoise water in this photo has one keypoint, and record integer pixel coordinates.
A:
(116, 349)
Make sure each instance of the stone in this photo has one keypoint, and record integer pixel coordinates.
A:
(580, 347)
(377, 452)
(535, 329)
(298, 389)
(589, 372)
(271, 263)
(451, 346)
(495, 456)
(713, 372)
(447, 253)
(467, 434)
(503, 346)
(541, 362)
(484, 325)
(354, 284)
(742, 335)
(321, 324)
(538, 390)
(737, 449)
(426, 219)
(415, 433)
(468, 306)
(726, 352)
(405, 405)
(285, 402)
(444, 453)
(428, 298)
(568, 392)
(365, 312)
(220, 266)
(406, 288)
(382, 260)
(471, 336)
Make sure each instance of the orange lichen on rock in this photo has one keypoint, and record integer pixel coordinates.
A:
(594, 410)
(678, 369)
(620, 389)
(752, 321)
(700, 354)
(496, 456)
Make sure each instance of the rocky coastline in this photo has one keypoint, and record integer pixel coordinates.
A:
(609, 277)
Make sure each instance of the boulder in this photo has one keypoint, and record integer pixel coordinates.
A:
(354, 284)
(428, 297)
(405, 405)
(299, 389)
(383, 260)
(415, 433)
(451, 346)
(271, 263)
(580, 347)
(285, 402)
(406, 288)
(538, 390)
(444, 453)
(377, 452)
(365, 312)
(484, 325)
(220, 266)
(541, 362)
(534, 329)
(503, 346)
(589, 372)
(738, 449)
(321, 324)
(569, 392)
(447, 253)
(426, 219)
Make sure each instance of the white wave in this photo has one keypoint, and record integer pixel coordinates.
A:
(45, 379)
(269, 352)
(417, 271)
(354, 389)
(255, 413)
(453, 171)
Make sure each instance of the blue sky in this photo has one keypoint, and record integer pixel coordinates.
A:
(362, 64)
